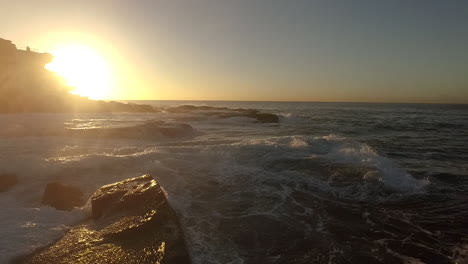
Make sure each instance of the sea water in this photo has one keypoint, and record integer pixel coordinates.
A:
(329, 183)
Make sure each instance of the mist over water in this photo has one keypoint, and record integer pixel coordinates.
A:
(329, 183)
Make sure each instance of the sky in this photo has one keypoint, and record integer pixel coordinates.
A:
(260, 50)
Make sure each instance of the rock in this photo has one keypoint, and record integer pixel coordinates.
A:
(188, 108)
(132, 222)
(62, 197)
(7, 180)
(149, 130)
(266, 118)
(261, 117)
(124, 195)
(224, 112)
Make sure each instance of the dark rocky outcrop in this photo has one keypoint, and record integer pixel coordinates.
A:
(260, 117)
(132, 222)
(264, 118)
(224, 112)
(150, 130)
(7, 180)
(62, 196)
(154, 130)
(188, 108)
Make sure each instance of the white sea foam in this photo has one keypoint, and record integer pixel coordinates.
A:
(343, 150)
(26, 229)
(291, 118)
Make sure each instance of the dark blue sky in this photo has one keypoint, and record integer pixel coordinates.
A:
(267, 50)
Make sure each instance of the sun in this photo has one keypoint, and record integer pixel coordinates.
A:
(84, 69)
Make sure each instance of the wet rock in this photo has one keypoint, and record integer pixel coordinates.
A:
(188, 108)
(149, 130)
(132, 222)
(62, 196)
(265, 118)
(260, 117)
(7, 180)
(224, 112)
(125, 195)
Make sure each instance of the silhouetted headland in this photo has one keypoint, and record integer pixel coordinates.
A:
(26, 86)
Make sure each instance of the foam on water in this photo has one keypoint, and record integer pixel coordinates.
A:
(26, 229)
(341, 150)
(291, 118)
(390, 174)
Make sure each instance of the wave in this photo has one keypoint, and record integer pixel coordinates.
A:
(330, 157)
(291, 118)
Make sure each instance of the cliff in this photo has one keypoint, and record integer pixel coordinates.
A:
(26, 86)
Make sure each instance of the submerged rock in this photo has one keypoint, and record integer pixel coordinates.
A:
(62, 196)
(7, 180)
(132, 223)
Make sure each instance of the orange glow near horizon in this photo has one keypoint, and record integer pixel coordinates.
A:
(84, 69)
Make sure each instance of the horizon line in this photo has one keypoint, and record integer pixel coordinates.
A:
(267, 101)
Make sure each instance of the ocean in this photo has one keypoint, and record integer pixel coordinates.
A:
(329, 183)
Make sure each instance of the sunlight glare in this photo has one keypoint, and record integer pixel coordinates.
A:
(84, 69)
